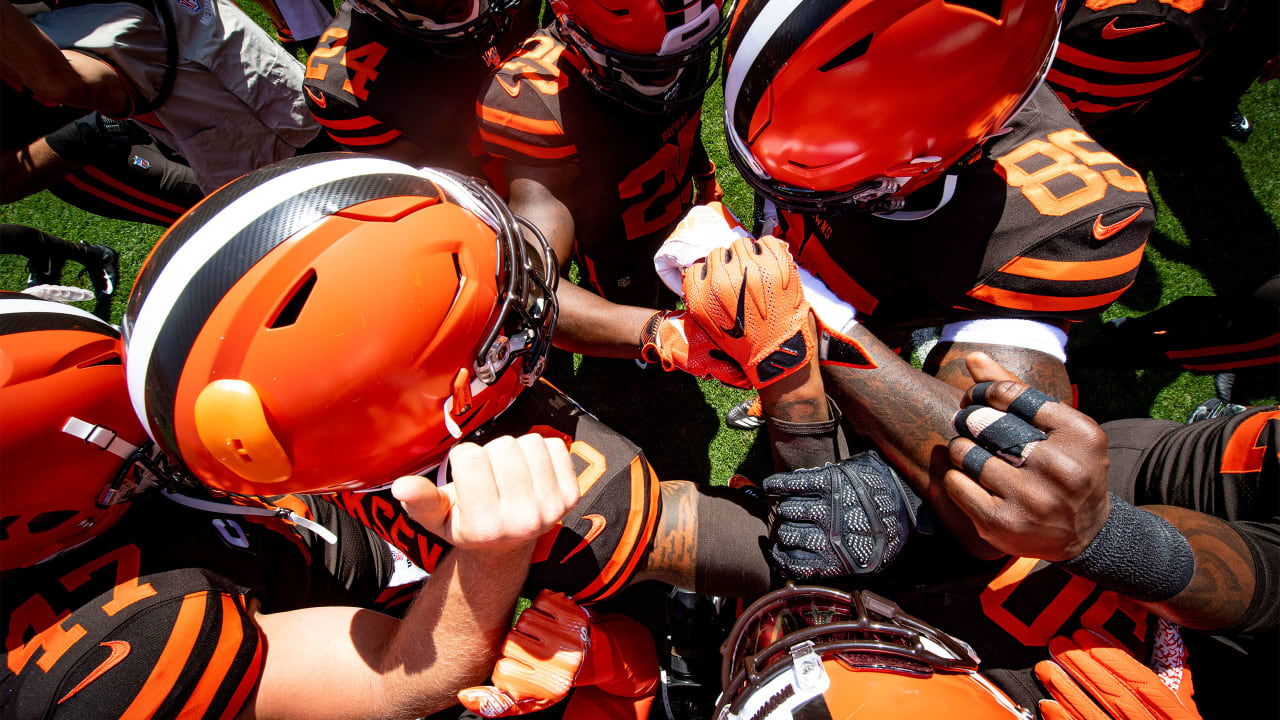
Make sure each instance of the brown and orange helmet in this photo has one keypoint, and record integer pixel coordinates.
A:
(68, 436)
(843, 102)
(332, 322)
(815, 652)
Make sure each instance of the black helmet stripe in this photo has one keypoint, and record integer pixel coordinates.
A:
(750, 74)
(163, 333)
(21, 313)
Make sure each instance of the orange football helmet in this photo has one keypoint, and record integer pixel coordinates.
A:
(650, 55)
(334, 321)
(455, 28)
(69, 439)
(815, 652)
(850, 103)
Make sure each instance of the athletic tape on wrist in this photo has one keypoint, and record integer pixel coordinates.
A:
(1136, 553)
(1006, 435)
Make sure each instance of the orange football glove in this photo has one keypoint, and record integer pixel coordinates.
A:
(679, 343)
(748, 299)
(1089, 665)
(540, 659)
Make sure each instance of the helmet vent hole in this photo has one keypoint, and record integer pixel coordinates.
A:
(47, 521)
(986, 7)
(848, 55)
(288, 313)
(4, 525)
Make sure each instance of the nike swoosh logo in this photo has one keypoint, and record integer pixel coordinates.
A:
(597, 527)
(1111, 32)
(1102, 232)
(512, 90)
(317, 99)
(739, 328)
(119, 651)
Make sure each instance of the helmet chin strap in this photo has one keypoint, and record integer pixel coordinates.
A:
(948, 190)
(103, 438)
(227, 508)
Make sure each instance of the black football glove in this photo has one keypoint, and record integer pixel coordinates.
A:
(847, 518)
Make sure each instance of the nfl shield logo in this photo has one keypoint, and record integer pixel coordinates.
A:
(191, 6)
(140, 162)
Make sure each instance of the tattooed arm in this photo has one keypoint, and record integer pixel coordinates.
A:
(1225, 578)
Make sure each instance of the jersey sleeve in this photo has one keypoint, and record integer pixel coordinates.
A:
(173, 644)
(337, 89)
(519, 111)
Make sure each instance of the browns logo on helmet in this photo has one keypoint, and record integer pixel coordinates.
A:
(841, 103)
(68, 435)
(815, 652)
(332, 322)
(651, 55)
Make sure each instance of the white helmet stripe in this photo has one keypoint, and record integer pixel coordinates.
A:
(169, 285)
(761, 31)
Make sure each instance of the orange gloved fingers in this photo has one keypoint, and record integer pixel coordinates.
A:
(749, 299)
(1119, 683)
(679, 343)
(540, 659)
(592, 703)
(622, 660)
(1070, 701)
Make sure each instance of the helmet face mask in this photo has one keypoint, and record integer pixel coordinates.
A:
(815, 646)
(333, 322)
(856, 105)
(69, 440)
(469, 34)
(648, 58)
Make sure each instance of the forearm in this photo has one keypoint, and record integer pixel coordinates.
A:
(591, 325)
(64, 77)
(907, 415)
(799, 397)
(365, 664)
(1042, 372)
(28, 170)
(1223, 584)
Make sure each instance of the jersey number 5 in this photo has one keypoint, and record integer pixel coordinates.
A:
(1066, 157)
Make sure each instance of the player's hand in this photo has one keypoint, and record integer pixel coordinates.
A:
(847, 518)
(1088, 668)
(540, 660)
(503, 494)
(1035, 482)
(677, 342)
(749, 300)
(706, 189)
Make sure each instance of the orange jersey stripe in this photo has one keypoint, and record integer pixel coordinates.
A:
(359, 123)
(247, 684)
(1224, 349)
(527, 149)
(533, 126)
(382, 139)
(1113, 90)
(638, 549)
(1090, 107)
(1042, 303)
(816, 260)
(186, 629)
(630, 534)
(1088, 270)
(115, 200)
(1148, 67)
(97, 174)
(229, 642)
(1232, 365)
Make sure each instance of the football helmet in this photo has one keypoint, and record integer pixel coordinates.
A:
(455, 28)
(334, 321)
(650, 55)
(815, 652)
(848, 103)
(68, 436)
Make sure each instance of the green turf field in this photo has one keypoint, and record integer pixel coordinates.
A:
(1218, 204)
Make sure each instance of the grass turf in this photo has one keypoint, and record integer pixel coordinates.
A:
(1218, 210)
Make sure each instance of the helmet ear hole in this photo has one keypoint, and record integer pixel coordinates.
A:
(288, 313)
(47, 521)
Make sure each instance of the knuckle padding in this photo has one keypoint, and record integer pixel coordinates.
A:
(1137, 553)
(1004, 434)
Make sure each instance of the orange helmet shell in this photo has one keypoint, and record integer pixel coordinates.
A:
(58, 363)
(327, 327)
(844, 102)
